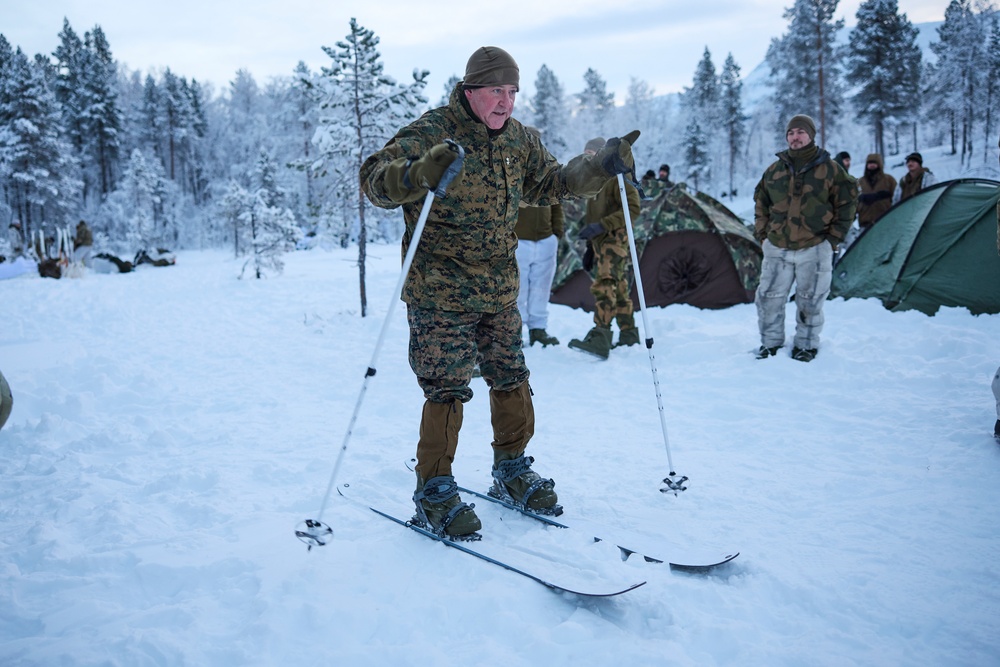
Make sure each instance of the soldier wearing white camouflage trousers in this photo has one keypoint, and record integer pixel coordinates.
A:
(804, 205)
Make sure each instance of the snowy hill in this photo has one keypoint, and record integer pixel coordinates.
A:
(172, 426)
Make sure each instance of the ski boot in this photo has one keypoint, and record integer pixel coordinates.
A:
(597, 342)
(804, 354)
(628, 337)
(516, 483)
(765, 352)
(541, 336)
(441, 510)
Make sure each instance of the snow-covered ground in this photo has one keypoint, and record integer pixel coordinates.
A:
(172, 427)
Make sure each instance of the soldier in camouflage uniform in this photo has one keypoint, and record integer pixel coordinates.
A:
(461, 291)
(804, 205)
(604, 229)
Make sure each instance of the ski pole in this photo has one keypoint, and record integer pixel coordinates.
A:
(313, 531)
(673, 483)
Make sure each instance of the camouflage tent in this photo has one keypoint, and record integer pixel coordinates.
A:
(691, 249)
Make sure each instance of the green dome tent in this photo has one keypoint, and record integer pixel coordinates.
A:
(691, 249)
(935, 249)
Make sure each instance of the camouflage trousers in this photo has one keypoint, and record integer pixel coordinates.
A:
(811, 270)
(445, 347)
(610, 287)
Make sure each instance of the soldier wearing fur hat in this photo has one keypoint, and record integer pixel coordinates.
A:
(803, 206)
(877, 187)
(917, 178)
(461, 292)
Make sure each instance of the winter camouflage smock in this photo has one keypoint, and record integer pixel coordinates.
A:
(465, 261)
(796, 209)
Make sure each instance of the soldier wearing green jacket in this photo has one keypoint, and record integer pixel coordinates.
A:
(461, 291)
(804, 205)
(604, 230)
(538, 230)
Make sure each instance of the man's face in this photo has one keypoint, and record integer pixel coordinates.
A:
(912, 166)
(797, 138)
(492, 104)
(847, 163)
(872, 166)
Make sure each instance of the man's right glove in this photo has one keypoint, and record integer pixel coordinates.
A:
(590, 231)
(427, 171)
(586, 175)
(616, 156)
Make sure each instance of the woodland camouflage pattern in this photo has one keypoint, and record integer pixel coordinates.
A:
(466, 261)
(801, 209)
(612, 255)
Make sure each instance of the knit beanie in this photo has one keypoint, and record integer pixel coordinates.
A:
(803, 122)
(595, 144)
(491, 66)
(916, 157)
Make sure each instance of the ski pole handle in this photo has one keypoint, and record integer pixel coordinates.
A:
(452, 171)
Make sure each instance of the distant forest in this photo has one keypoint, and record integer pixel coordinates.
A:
(162, 161)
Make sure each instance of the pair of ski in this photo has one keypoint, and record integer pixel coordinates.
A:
(556, 559)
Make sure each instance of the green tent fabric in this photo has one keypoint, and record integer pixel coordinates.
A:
(691, 249)
(935, 249)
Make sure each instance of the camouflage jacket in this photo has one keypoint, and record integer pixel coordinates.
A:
(465, 261)
(606, 207)
(535, 223)
(875, 197)
(800, 209)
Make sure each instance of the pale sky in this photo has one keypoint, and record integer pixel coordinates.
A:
(657, 41)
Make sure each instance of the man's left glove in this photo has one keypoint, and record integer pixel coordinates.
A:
(590, 231)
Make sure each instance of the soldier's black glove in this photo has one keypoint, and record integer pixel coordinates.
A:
(590, 231)
(588, 257)
(427, 171)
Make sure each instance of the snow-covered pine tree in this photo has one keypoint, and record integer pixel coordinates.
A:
(701, 108)
(595, 106)
(268, 225)
(132, 214)
(883, 64)
(101, 117)
(638, 112)
(731, 115)
(361, 110)
(804, 67)
(956, 79)
(695, 155)
(38, 170)
(991, 91)
(449, 86)
(551, 115)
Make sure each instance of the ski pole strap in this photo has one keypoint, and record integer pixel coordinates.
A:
(452, 171)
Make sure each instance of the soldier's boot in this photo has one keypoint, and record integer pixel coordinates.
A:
(6, 400)
(628, 337)
(513, 417)
(597, 342)
(438, 504)
(541, 336)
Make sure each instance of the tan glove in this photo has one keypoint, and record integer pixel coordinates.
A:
(408, 179)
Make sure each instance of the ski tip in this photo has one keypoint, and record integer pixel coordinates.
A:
(705, 567)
